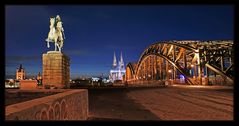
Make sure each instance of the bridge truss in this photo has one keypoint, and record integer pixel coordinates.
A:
(195, 61)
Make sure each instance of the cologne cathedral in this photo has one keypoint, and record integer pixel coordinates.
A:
(118, 70)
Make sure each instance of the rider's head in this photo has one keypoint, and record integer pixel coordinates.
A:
(58, 17)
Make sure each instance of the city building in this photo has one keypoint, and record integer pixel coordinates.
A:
(20, 73)
(11, 83)
(39, 79)
(118, 71)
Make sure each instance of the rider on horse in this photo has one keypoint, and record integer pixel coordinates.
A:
(56, 33)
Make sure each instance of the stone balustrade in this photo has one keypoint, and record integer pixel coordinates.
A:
(68, 105)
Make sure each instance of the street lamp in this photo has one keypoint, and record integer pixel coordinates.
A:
(192, 65)
(170, 71)
(148, 79)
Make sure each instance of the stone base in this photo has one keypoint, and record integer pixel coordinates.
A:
(56, 69)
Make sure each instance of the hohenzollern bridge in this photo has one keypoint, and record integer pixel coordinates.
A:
(187, 62)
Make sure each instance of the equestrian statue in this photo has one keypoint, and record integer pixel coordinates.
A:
(56, 33)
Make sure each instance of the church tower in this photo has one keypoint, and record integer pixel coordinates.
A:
(39, 79)
(114, 61)
(121, 62)
(39, 76)
(118, 70)
(20, 73)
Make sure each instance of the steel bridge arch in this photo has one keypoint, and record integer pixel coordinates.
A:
(130, 72)
(198, 49)
(131, 68)
(171, 62)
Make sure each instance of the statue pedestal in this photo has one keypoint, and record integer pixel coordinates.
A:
(56, 69)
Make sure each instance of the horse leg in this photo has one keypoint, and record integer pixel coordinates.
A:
(59, 48)
(55, 46)
(48, 45)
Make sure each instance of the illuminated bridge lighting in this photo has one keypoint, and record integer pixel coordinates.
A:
(196, 62)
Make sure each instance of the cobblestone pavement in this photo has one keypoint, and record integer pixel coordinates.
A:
(114, 104)
(168, 103)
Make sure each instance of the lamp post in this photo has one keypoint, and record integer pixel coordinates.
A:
(149, 78)
(194, 70)
(170, 71)
(191, 69)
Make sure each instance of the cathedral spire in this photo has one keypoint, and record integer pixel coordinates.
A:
(114, 61)
(118, 70)
(121, 61)
(20, 68)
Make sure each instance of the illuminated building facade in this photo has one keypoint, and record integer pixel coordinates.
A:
(20, 73)
(118, 71)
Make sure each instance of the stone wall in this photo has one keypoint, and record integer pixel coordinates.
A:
(28, 84)
(68, 105)
(13, 96)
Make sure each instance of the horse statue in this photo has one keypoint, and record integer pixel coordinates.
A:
(56, 33)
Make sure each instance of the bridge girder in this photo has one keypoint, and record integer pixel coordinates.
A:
(183, 55)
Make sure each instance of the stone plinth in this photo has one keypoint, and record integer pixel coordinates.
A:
(56, 69)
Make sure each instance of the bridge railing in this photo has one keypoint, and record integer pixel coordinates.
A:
(148, 83)
(212, 80)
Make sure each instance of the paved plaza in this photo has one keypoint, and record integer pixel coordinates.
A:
(162, 103)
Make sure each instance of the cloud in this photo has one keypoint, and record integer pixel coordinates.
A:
(11, 59)
(14, 61)
(77, 52)
(84, 52)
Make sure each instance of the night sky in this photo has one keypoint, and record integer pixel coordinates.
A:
(94, 32)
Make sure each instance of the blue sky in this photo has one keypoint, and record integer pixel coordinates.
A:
(94, 32)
